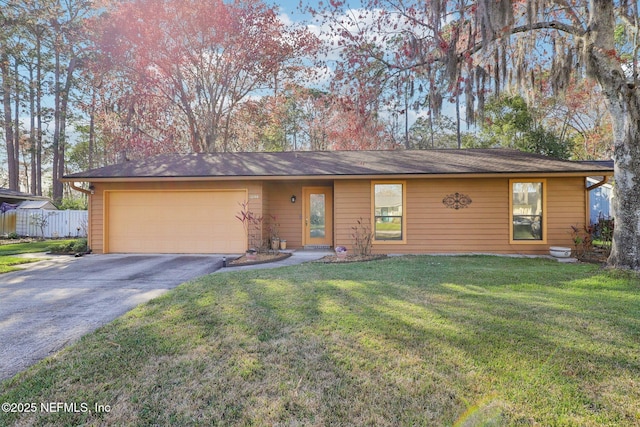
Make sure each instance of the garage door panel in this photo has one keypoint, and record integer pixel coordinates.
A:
(175, 222)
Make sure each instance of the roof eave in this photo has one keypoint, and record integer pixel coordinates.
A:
(524, 174)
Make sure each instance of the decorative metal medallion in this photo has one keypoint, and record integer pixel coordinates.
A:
(456, 201)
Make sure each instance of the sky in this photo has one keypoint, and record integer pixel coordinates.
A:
(291, 11)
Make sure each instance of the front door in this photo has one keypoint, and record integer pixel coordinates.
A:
(317, 216)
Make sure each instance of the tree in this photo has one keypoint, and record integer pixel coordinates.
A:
(486, 44)
(437, 132)
(509, 122)
(260, 125)
(68, 43)
(183, 68)
(9, 24)
(579, 116)
(39, 41)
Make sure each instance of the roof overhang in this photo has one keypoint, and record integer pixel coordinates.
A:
(339, 177)
(339, 165)
(9, 194)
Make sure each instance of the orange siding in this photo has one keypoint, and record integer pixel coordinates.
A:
(97, 206)
(288, 215)
(96, 220)
(351, 201)
(482, 227)
(566, 207)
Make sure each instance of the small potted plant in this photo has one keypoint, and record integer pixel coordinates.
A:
(273, 231)
(283, 244)
(275, 243)
(341, 252)
(251, 255)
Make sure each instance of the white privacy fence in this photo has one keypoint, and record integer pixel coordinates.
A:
(44, 223)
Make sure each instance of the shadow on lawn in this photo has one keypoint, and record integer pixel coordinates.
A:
(552, 341)
(411, 341)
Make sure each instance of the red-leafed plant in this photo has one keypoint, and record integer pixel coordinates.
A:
(253, 227)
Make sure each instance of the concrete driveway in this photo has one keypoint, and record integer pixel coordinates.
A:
(53, 303)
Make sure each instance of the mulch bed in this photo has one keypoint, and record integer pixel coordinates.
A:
(330, 259)
(597, 255)
(260, 259)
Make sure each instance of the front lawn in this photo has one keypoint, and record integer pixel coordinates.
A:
(33, 246)
(8, 263)
(404, 341)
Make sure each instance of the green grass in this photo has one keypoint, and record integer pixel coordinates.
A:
(32, 247)
(388, 226)
(8, 263)
(405, 341)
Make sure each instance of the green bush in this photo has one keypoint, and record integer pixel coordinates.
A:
(78, 204)
(69, 247)
(80, 246)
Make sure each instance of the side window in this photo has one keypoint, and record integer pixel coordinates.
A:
(527, 211)
(388, 211)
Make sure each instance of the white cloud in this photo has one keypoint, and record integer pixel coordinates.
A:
(286, 19)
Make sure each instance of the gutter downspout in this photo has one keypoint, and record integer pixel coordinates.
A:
(605, 179)
(80, 189)
(89, 193)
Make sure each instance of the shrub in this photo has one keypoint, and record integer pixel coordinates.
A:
(603, 230)
(78, 246)
(253, 227)
(362, 238)
(79, 204)
(582, 240)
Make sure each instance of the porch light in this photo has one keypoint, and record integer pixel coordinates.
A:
(293, 198)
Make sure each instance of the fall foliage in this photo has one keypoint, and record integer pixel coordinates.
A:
(184, 68)
(201, 76)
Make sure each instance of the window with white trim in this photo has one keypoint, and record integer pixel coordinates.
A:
(388, 209)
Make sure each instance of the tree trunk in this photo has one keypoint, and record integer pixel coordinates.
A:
(60, 117)
(64, 110)
(32, 130)
(625, 251)
(57, 185)
(8, 121)
(624, 104)
(92, 131)
(38, 148)
(16, 123)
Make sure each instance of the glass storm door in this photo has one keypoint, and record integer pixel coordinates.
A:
(317, 216)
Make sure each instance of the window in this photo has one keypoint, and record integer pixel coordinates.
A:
(527, 202)
(388, 211)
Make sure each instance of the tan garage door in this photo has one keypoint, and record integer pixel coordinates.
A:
(174, 222)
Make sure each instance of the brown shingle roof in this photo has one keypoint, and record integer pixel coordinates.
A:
(5, 193)
(340, 163)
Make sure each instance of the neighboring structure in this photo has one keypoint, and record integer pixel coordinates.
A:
(601, 201)
(432, 201)
(9, 201)
(16, 197)
(38, 204)
(600, 194)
